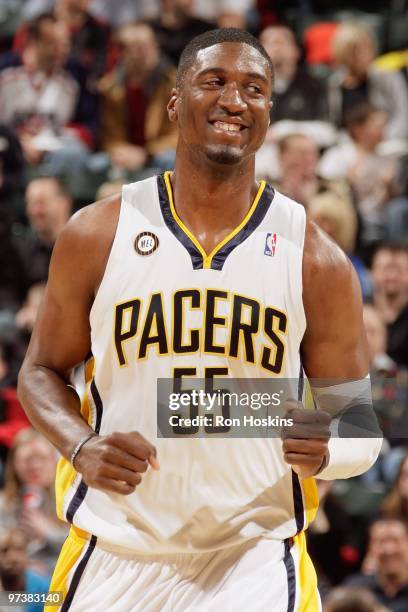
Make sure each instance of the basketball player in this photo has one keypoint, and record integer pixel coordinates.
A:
(199, 272)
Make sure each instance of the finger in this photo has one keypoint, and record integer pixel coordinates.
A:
(115, 486)
(301, 415)
(312, 447)
(134, 443)
(120, 473)
(154, 463)
(117, 456)
(300, 459)
(306, 431)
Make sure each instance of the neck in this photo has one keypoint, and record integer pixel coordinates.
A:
(32, 62)
(139, 76)
(389, 305)
(391, 583)
(30, 59)
(366, 147)
(135, 78)
(285, 70)
(353, 79)
(49, 236)
(212, 199)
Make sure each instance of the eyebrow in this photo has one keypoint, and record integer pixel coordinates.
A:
(216, 69)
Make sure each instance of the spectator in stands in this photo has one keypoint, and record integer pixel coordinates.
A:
(26, 316)
(297, 95)
(390, 296)
(330, 539)
(136, 130)
(120, 13)
(41, 101)
(348, 599)
(298, 158)
(395, 505)
(376, 332)
(390, 398)
(15, 572)
(175, 27)
(333, 211)
(89, 35)
(358, 81)
(389, 546)
(48, 208)
(12, 416)
(299, 179)
(373, 176)
(28, 498)
(225, 13)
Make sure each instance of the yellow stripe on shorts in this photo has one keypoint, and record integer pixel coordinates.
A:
(309, 595)
(70, 554)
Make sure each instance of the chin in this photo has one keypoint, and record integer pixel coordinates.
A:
(228, 156)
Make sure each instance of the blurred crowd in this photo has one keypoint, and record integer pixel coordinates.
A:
(83, 91)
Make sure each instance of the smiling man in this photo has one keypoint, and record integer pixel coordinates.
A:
(202, 272)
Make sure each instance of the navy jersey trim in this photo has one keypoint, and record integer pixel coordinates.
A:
(297, 489)
(253, 223)
(82, 489)
(217, 260)
(196, 256)
(78, 575)
(291, 575)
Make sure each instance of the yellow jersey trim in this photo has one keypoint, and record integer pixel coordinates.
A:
(207, 258)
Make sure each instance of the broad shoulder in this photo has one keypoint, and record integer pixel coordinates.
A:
(96, 220)
(326, 268)
(83, 247)
(334, 343)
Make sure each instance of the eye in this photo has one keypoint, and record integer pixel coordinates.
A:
(253, 88)
(213, 82)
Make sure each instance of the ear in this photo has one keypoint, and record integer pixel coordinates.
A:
(172, 105)
(270, 104)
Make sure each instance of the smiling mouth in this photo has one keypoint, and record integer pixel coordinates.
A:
(228, 127)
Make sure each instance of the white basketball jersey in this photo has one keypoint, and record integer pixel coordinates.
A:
(165, 308)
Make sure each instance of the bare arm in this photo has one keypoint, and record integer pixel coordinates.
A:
(334, 345)
(61, 337)
(61, 340)
(334, 350)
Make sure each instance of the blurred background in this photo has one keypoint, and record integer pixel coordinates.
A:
(83, 91)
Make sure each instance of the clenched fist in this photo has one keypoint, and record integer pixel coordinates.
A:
(305, 443)
(116, 462)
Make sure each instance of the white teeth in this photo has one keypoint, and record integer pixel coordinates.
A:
(228, 127)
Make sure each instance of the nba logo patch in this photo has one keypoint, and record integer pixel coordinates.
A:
(270, 245)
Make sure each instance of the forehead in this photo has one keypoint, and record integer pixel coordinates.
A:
(231, 57)
(385, 258)
(380, 530)
(300, 142)
(36, 445)
(12, 540)
(41, 187)
(138, 34)
(48, 28)
(281, 35)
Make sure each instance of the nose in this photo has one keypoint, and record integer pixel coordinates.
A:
(230, 99)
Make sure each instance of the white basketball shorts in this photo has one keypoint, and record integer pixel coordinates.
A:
(260, 575)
